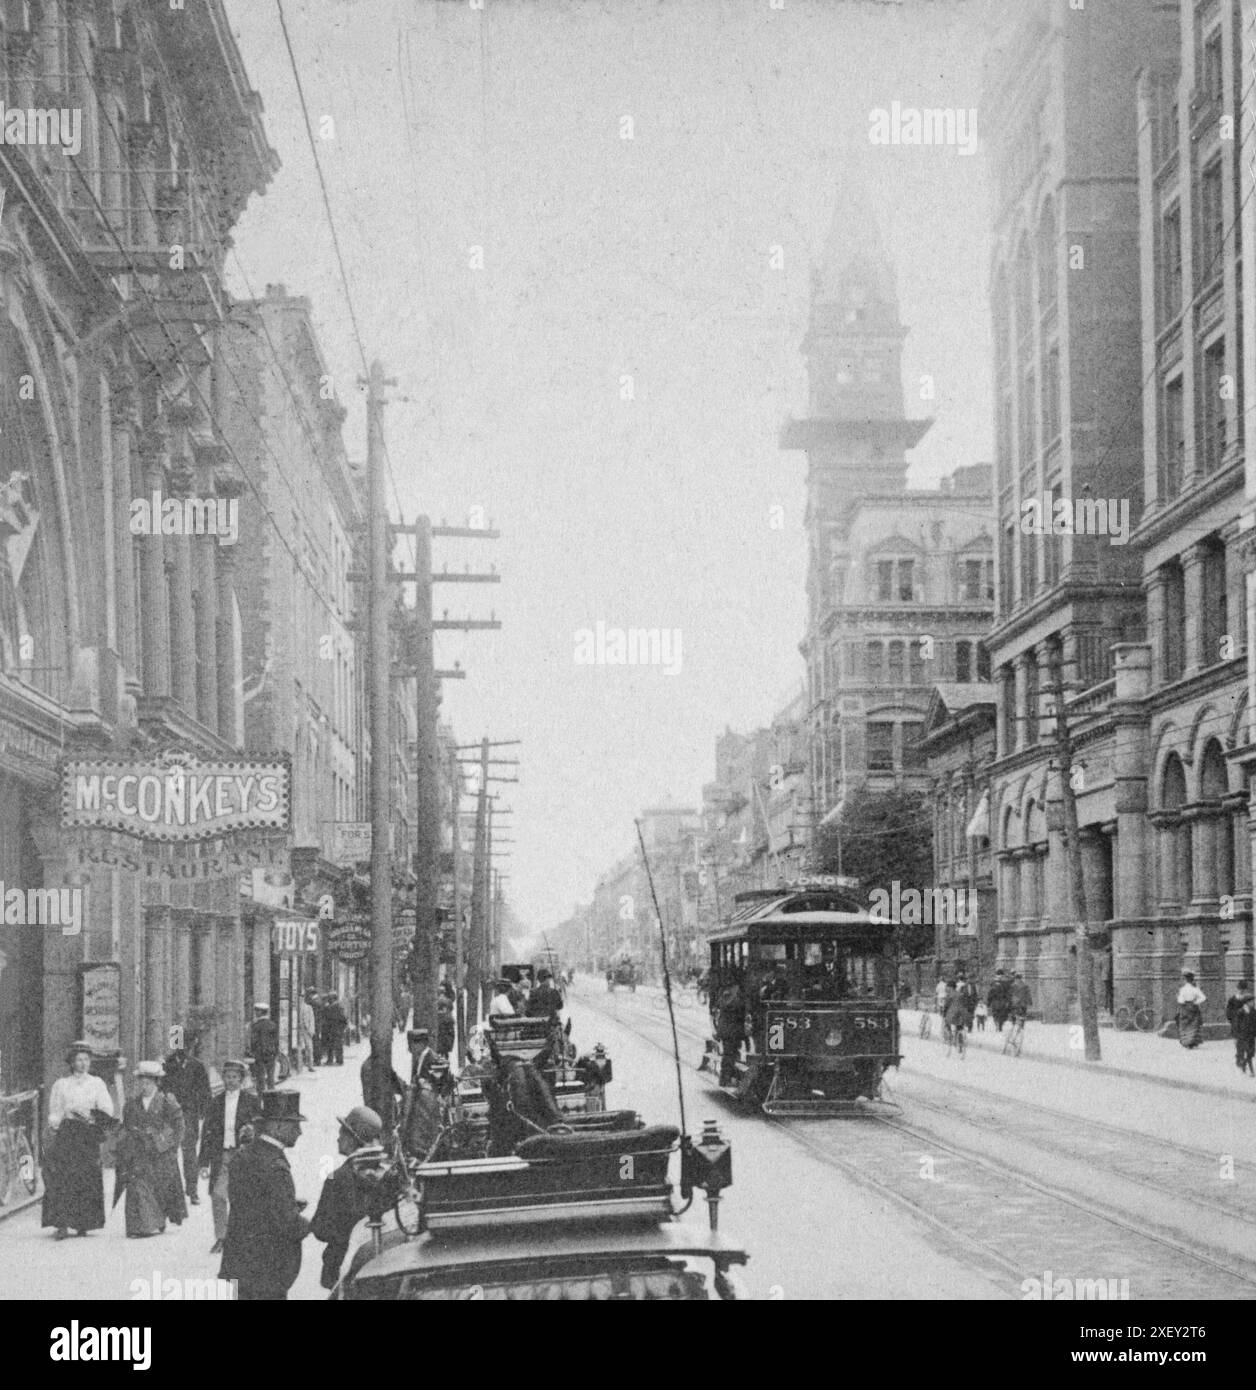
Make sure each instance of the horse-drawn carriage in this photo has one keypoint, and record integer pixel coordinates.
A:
(585, 1216)
(622, 974)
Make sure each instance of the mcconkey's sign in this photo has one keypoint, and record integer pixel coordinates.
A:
(174, 797)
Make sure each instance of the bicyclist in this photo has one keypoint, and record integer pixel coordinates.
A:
(1021, 1000)
(956, 1018)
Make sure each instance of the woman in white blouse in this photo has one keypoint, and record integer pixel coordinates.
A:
(74, 1186)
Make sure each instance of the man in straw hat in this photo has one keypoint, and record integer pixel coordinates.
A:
(265, 1227)
(229, 1125)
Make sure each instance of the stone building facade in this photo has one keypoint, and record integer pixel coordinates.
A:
(900, 582)
(1115, 301)
(114, 643)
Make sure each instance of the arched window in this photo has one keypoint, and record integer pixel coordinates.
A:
(1214, 784)
(1176, 864)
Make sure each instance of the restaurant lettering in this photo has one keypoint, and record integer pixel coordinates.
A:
(176, 798)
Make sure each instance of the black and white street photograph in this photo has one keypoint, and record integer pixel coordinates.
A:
(628, 666)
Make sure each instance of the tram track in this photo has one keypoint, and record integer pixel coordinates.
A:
(1008, 1227)
(1192, 1165)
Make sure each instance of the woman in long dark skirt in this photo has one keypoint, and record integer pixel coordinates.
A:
(74, 1186)
(1190, 1016)
(152, 1131)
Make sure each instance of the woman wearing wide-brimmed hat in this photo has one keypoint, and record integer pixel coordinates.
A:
(79, 1108)
(148, 1169)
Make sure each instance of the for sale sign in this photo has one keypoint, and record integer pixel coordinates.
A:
(175, 797)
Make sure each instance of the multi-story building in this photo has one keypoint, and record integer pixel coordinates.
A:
(900, 581)
(118, 641)
(1064, 163)
(959, 745)
(1198, 901)
(300, 670)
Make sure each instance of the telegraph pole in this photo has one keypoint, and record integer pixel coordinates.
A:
(379, 611)
(479, 933)
(427, 771)
(455, 819)
(1073, 855)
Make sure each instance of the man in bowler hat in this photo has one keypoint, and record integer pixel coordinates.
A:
(265, 1227)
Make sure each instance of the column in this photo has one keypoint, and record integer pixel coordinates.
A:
(156, 981)
(1196, 626)
(1021, 713)
(1045, 655)
(1005, 736)
(124, 417)
(154, 613)
(179, 568)
(181, 942)
(1155, 588)
(227, 644)
(205, 579)
(1237, 928)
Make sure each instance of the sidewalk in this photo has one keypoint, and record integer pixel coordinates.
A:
(106, 1264)
(1207, 1069)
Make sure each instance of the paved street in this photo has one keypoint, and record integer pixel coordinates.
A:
(1006, 1167)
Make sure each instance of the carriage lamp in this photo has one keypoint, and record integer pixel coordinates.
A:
(707, 1164)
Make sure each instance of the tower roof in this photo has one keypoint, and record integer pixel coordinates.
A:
(853, 249)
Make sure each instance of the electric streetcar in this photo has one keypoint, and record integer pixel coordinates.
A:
(803, 999)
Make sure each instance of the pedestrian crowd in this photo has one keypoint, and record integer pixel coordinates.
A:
(961, 1005)
(174, 1132)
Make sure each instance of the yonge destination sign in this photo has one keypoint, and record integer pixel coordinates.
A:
(176, 798)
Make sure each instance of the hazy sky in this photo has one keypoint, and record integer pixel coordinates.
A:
(604, 258)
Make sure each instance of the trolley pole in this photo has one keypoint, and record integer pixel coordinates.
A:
(379, 608)
(1073, 854)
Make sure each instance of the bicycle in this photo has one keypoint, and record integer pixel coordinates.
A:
(926, 1023)
(1134, 1013)
(955, 1038)
(1015, 1039)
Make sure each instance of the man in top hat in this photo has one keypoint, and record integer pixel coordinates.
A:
(263, 1047)
(344, 1199)
(265, 1227)
(229, 1125)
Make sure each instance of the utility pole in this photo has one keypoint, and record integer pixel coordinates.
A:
(1073, 855)
(455, 819)
(479, 932)
(379, 612)
(427, 772)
